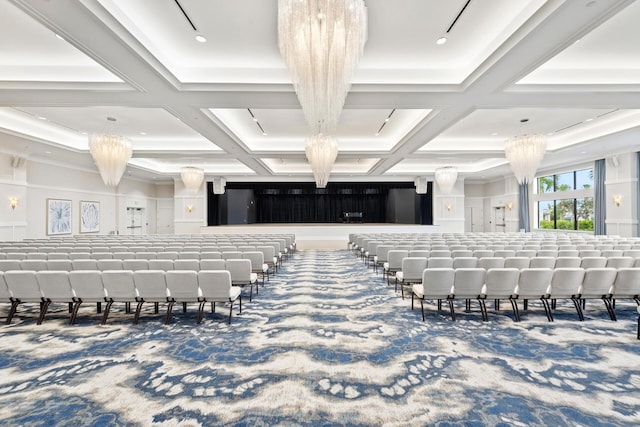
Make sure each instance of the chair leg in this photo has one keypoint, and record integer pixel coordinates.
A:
(213, 307)
(240, 297)
(230, 312)
(412, 294)
(547, 309)
(453, 313)
(608, 305)
(74, 312)
(200, 312)
(639, 327)
(156, 307)
(99, 307)
(483, 309)
(167, 316)
(136, 317)
(184, 307)
(516, 313)
(577, 302)
(105, 315)
(43, 310)
(421, 307)
(12, 311)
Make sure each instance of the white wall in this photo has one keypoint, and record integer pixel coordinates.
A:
(621, 180)
(37, 181)
(13, 222)
(448, 209)
(190, 209)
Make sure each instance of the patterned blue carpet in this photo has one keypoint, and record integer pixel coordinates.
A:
(326, 342)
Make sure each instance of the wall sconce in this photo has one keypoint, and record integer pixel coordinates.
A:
(189, 208)
(617, 199)
(448, 206)
(13, 202)
(510, 205)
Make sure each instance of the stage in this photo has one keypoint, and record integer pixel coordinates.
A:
(320, 236)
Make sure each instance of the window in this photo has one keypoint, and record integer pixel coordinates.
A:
(565, 201)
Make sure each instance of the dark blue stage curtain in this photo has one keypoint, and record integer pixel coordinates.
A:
(296, 202)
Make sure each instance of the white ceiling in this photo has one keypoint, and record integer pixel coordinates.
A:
(571, 67)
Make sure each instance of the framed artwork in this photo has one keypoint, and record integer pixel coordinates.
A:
(89, 217)
(58, 216)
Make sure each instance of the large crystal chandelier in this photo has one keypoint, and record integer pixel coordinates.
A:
(192, 178)
(446, 178)
(524, 153)
(321, 42)
(111, 153)
(321, 151)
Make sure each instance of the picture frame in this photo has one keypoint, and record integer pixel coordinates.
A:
(58, 216)
(89, 216)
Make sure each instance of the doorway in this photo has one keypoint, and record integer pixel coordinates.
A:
(499, 218)
(134, 220)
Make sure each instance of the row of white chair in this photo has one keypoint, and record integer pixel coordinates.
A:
(516, 262)
(576, 284)
(153, 286)
(255, 259)
(241, 267)
(267, 251)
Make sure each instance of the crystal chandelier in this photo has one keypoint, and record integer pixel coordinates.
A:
(446, 178)
(192, 178)
(524, 153)
(321, 151)
(111, 153)
(321, 42)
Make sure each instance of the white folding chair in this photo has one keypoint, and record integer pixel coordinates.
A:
(467, 285)
(182, 286)
(500, 283)
(119, 287)
(437, 284)
(152, 287)
(216, 286)
(23, 288)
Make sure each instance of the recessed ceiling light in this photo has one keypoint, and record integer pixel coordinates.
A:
(60, 37)
(583, 152)
(201, 38)
(494, 134)
(589, 119)
(377, 133)
(387, 119)
(42, 118)
(264, 133)
(47, 152)
(83, 133)
(441, 40)
(143, 133)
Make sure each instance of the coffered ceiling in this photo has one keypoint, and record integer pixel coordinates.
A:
(227, 105)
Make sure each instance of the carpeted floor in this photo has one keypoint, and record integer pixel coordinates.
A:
(326, 342)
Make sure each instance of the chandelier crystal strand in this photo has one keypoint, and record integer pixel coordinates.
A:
(111, 153)
(321, 42)
(446, 178)
(321, 151)
(192, 178)
(524, 153)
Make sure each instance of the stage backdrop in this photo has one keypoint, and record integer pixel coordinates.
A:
(302, 202)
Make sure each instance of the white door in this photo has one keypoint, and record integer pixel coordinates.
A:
(477, 220)
(473, 219)
(498, 218)
(135, 217)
